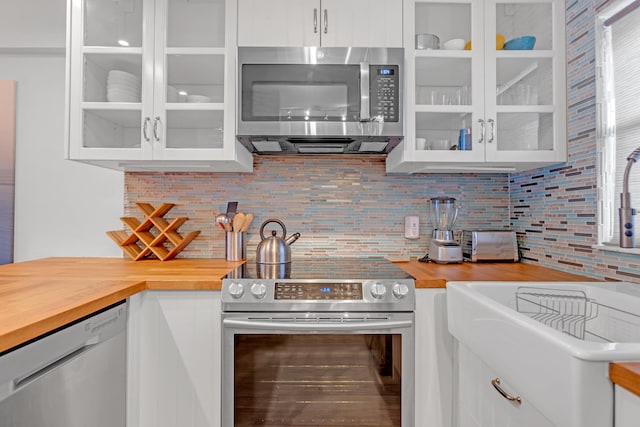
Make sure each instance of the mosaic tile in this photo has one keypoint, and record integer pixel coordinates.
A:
(341, 206)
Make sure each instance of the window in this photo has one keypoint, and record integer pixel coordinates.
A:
(618, 111)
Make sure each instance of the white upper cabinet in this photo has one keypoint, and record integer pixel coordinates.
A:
(487, 108)
(347, 23)
(151, 85)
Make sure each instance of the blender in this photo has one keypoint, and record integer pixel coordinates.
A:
(443, 248)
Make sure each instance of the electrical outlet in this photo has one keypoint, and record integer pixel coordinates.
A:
(411, 227)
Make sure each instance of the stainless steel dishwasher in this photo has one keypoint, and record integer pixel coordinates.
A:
(72, 377)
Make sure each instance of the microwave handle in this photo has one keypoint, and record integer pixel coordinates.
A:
(364, 92)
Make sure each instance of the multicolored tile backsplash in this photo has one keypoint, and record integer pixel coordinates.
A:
(349, 206)
(554, 209)
(342, 205)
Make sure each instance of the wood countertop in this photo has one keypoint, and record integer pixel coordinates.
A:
(627, 375)
(39, 296)
(432, 275)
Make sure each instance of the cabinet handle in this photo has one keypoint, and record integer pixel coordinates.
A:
(326, 21)
(155, 128)
(493, 128)
(481, 140)
(144, 128)
(496, 384)
(315, 20)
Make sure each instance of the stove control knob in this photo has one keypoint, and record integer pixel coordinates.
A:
(259, 290)
(236, 290)
(378, 290)
(400, 290)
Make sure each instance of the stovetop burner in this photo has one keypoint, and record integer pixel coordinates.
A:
(322, 269)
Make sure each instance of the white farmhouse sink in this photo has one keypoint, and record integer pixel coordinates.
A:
(564, 377)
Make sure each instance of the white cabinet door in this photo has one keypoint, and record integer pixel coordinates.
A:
(479, 404)
(361, 23)
(174, 359)
(279, 23)
(526, 119)
(109, 79)
(151, 84)
(627, 408)
(344, 23)
(433, 360)
(508, 104)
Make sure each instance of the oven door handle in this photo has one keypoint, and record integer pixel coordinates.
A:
(314, 326)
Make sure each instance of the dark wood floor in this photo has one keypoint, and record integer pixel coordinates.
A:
(312, 380)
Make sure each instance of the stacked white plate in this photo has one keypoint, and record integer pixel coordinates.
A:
(122, 87)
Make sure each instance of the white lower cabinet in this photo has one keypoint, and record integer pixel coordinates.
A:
(479, 404)
(434, 360)
(627, 408)
(174, 359)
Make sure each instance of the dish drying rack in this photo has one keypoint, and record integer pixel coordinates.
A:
(572, 312)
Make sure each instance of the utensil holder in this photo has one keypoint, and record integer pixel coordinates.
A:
(235, 246)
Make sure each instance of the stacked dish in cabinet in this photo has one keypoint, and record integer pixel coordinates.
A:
(122, 87)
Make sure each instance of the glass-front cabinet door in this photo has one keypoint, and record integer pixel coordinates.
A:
(153, 80)
(526, 75)
(448, 89)
(109, 78)
(190, 78)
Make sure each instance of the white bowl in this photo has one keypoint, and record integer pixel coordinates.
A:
(119, 88)
(454, 44)
(198, 98)
(123, 83)
(172, 94)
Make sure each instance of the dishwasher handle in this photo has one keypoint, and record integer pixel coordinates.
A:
(31, 377)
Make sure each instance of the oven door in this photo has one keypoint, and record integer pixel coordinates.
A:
(310, 369)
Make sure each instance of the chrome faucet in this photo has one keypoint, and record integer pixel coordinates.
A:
(627, 238)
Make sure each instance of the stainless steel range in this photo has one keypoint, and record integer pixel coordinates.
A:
(318, 342)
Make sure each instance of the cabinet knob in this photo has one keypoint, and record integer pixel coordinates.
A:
(315, 20)
(493, 128)
(496, 384)
(144, 128)
(326, 21)
(481, 140)
(155, 129)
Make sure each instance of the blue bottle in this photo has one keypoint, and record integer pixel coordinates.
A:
(464, 139)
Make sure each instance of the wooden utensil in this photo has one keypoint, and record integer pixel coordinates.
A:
(247, 222)
(238, 220)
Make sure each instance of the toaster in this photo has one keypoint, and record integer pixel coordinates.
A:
(489, 245)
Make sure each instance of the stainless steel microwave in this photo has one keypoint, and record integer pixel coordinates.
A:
(316, 100)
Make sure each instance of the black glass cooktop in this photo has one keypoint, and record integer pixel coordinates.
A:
(323, 269)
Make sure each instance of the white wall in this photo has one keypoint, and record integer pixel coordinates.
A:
(63, 208)
(32, 23)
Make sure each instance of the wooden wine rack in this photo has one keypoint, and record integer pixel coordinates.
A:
(154, 235)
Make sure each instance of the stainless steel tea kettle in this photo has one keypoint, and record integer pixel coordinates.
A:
(274, 249)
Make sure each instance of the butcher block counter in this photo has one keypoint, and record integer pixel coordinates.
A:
(39, 296)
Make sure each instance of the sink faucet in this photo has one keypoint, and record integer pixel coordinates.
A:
(627, 238)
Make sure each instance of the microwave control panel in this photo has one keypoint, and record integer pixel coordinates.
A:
(385, 91)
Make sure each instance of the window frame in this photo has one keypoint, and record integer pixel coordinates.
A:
(608, 200)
